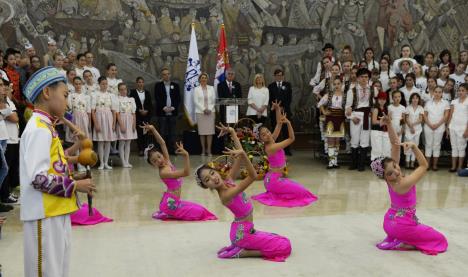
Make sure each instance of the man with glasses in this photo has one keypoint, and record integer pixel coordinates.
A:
(228, 89)
(281, 91)
(167, 95)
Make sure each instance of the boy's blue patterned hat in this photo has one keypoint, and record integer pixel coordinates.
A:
(41, 79)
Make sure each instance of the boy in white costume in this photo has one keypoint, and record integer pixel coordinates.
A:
(48, 192)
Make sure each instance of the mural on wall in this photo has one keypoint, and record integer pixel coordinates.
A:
(142, 36)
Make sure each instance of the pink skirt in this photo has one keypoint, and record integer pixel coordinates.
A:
(172, 208)
(104, 118)
(81, 217)
(81, 120)
(402, 226)
(127, 122)
(283, 192)
(272, 246)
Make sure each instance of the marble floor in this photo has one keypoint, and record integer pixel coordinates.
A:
(334, 236)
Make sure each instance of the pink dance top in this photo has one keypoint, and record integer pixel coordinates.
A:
(278, 159)
(240, 205)
(403, 201)
(171, 183)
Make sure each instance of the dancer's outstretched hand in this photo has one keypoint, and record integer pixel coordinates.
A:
(284, 119)
(233, 152)
(180, 149)
(147, 127)
(407, 146)
(224, 130)
(385, 120)
(275, 105)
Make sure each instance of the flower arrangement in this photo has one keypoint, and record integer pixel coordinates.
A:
(253, 147)
(222, 164)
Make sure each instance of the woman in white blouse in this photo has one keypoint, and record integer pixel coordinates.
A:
(204, 100)
(258, 100)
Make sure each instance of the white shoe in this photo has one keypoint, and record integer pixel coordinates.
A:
(106, 166)
(129, 166)
(101, 167)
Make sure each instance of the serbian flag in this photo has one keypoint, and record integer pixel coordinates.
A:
(191, 78)
(222, 60)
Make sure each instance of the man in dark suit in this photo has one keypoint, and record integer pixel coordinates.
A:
(167, 95)
(281, 91)
(143, 111)
(228, 89)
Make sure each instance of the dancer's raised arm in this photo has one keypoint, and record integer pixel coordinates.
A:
(275, 106)
(239, 155)
(408, 181)
(224, 130)
(168, 173)
(394, 140)
(285, 143)
(237, 146)
(150, 128)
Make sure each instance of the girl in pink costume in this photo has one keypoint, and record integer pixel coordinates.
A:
(281, 192)
(404, 232)
(246, 241)
(80, 217)
(171, 206)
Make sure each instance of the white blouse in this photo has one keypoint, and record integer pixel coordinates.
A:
(421, 83)
(337, 101)
(373, 65)
(460, 115)
(459, 79)
(440, 82)
(12, 128)
(413, 116)
(112, 85)
(396, 115)
(79, 72)
(90, 89)
(126, 104)
(79, 102)
(104, 100)
(71, 88)
(407, 92)
(385, 79)
(435, 112)
(259, 97)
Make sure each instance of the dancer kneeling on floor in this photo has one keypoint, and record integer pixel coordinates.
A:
(171, 206)
(246, 241)
(404, 232)
(280, 191)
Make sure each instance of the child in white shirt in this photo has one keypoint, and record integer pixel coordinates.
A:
(458, 127)
(436, 112)
(413, 126)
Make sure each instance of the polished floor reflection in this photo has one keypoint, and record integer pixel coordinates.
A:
(332, 237)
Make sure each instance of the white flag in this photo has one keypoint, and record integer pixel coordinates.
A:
(191, 78)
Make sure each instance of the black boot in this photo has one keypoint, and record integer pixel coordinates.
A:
(354, 159)
(362, 159)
